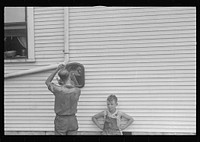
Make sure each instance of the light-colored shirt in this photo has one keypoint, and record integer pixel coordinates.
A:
(66, 99)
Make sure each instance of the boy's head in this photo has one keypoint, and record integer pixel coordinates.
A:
(65, 78)
(112, 103)
(63, 74)
(111, 98)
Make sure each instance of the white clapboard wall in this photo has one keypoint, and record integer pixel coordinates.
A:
(143, 55)
(28, 105)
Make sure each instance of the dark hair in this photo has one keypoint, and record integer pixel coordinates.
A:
(63, 74)
(111, 98)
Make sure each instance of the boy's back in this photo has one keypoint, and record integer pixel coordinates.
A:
(66, 99)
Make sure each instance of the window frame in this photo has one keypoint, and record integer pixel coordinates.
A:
(30, 39)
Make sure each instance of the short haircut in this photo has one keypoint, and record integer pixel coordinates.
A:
(111, 98)
(63, 74)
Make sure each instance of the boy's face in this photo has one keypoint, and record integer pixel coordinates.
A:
(111, 105)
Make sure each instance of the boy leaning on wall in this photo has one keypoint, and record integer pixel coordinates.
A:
(112, 118)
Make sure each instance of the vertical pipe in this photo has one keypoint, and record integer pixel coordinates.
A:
(66, 35)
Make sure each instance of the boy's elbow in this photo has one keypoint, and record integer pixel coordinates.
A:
(132, 120)
(47, 82)
(92, 118)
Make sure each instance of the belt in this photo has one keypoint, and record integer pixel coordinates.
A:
(66, 115)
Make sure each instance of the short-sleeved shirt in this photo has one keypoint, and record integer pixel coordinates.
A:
(66, 99)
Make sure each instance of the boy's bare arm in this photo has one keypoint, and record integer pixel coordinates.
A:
(94, 119)
(130, 121)
(50, 78)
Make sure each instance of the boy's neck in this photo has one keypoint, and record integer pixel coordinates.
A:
(113, 111)
(68, 84)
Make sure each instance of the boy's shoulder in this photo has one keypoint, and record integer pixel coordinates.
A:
(77, 89)
(117, 113)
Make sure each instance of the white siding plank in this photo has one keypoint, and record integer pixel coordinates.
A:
(141, 55)
(88, 10)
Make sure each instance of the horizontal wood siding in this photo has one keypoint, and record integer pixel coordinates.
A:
(49, 34)
(146, 56)
(28, 105)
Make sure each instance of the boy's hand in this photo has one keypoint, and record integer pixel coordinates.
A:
(61, 66)
(122, 127)
(101, 127)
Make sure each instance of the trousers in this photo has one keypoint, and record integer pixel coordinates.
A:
(66, 125)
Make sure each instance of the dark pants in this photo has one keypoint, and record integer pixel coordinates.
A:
(66, 125)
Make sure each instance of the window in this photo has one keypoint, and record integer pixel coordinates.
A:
(15, 33)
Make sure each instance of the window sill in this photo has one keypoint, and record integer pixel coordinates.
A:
(19, 60)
